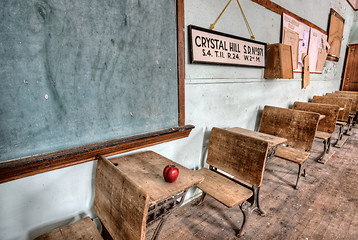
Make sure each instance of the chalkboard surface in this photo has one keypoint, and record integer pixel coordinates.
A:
(79, 72)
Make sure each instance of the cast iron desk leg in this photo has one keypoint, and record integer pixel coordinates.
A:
(270, 154)
(166, 215)
(256, 202)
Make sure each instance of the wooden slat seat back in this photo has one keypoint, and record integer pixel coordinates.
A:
(354, 97)
(298, 127)
(327, 124)
(345, 103)
(347, 92)
(121, 205)
(238, 155)
(343, 94)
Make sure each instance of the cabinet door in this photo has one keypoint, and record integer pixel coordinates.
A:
(350, 80)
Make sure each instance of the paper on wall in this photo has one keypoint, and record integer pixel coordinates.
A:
(321, 59)
(291, 38)
(317, 50)
(325, 44)
(303, 33)
(303, 47)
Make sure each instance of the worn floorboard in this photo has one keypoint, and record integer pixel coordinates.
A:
(324, 207)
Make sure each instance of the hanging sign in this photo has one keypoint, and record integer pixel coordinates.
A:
(212, 47)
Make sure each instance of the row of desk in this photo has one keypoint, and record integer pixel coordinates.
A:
(145, 169)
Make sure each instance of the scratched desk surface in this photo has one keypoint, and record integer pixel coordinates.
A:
(270, 139)
(146, 170)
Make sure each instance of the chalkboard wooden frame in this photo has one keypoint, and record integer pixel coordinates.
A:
(28, 166)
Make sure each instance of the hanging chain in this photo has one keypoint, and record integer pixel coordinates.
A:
(247, 23)
(242, 11)
(213, 25)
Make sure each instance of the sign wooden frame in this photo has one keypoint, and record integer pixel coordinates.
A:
(212, 47)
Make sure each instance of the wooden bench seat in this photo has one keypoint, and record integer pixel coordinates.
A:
(240, 158)
(323, 135)
(341, 123)
(298, 127)
(223, 189)
(292, 154)
(82, 229)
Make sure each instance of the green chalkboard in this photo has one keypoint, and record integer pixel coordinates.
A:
(80, 72)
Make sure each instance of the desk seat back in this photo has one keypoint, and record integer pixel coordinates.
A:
(327, 124)
(121, 205)
(345, 103)
(298, 127)
(354, 97)
(347, 92)
(241, 156)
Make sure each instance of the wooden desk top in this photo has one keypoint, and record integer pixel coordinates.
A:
(272, 140)
(146, 170)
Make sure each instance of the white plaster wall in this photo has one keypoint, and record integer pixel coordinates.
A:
(353, 37)
(221, 96)
(45, 201)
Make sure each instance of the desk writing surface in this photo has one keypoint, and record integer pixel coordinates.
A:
(146, 170)
(272, 140)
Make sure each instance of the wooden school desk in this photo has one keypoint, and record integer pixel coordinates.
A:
(146, 170)
(273, 141)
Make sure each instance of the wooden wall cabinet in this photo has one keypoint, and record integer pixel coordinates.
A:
(279, 61)
(335, 35)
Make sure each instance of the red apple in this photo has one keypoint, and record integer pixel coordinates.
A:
(170, 173)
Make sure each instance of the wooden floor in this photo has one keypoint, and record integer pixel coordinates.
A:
(325, 206)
